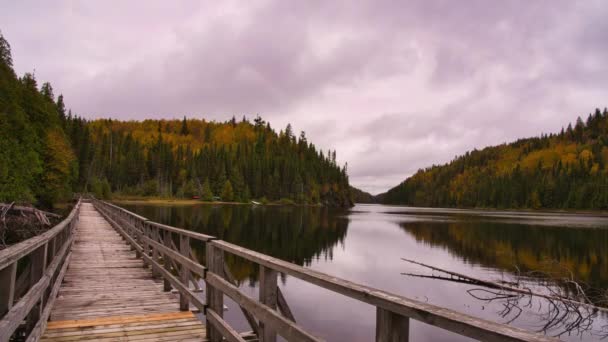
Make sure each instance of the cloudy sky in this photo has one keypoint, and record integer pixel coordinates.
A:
(393, 86)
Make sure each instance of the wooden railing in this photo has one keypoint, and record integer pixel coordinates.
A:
(167, 250)
(30, 276)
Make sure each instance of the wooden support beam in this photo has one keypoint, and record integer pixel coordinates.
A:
(252, 321)
(166, 259)
(391, 327)
(284, 327)
(154, 236)
(215, 297)
(268, 297)
(38, 261)
(145, 234)
(8, 282)
(284, 307)
(184, 249)
(182, 260)
(40, 326)
(11, 320)
(217, 322)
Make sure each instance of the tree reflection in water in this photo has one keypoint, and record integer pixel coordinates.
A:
(294, 234)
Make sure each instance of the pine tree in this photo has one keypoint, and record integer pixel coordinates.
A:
(5, 52)
(206, 194)
(227, 192)
(184, 130)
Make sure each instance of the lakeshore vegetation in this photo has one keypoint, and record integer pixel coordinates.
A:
(47, 153)
(565, 170)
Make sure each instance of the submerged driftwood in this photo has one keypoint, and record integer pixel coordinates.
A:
(20, 222)
(562, 312)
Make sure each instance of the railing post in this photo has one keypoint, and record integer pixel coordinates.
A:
(391, 327)
(38, 266)
(8, 276)
(215, 298)
(145, 233)
(184, 249)
(166, 260)
(136, 234)
(268, 297)
(154, 236)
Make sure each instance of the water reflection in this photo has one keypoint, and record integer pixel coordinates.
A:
(365, 245)
(294, 234)
(560, 251)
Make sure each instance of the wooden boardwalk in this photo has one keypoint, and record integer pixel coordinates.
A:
(108, 295)
(85, 279)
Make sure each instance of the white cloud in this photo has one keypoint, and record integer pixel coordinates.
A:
(393, 86)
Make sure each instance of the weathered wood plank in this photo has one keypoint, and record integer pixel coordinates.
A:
(184, 272)
(215, 298)
(106, 295)
(447, 319)
(8, 281)
(118, 320)
(283, 326)
(391, 327)
(15, 252)
(40, 326)
(183, 232)
(21, 309)
(393, 311)
(268, 296)
(223, 327)
(284, 306)
(178, 257)
(250, 319)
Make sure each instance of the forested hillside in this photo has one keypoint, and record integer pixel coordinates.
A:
(236, 161)
(360, 196)
(37, 162)
(47, 154)
(568, 170)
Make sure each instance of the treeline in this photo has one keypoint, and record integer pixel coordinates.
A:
(229, 161)
(46, 154)
(567, 170)
(37, 162)
(360, 196)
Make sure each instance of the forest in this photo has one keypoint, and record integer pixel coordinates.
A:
(565, 170)
(47, 154)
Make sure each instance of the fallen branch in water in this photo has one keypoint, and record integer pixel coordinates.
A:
(562, 313)
(461, 278)
(30, 210)
(18, 223)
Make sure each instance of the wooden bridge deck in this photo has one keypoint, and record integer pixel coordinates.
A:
(90, 285)
(108, 295)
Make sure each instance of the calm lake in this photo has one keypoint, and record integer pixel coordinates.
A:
(366, 243)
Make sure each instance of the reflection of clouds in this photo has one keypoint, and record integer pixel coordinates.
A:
(369, 252)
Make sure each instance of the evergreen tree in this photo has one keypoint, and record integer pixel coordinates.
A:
(184, 130)
(227, 192)
(206, 194)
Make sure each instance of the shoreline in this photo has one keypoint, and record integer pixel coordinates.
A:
(187, 202)
(598, 212)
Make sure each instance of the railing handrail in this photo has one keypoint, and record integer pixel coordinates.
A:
(49, 254)
(451, 320)
(194, 235)
(23, 248)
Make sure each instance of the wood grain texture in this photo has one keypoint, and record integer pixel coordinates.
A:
(394, 311)
(108, 294)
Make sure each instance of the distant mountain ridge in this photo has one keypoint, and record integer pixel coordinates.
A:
(566, 170)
